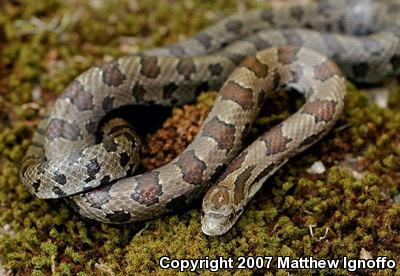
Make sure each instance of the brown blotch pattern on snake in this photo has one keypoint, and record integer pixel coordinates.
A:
(150, 67)
(60, 128)
(79, 96)
(186, 67)
(235, 92)
(192, 168)
(254, 65)
(102, 197)
(148, 189)
(326, 70)
(275, 141)
(321, 110)
(287, 55)
(220, 132)
(111, 74)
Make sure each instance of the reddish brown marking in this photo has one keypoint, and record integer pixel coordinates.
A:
(186, 67)
(150, 67)
(326, 70)
(275, 141)
(234, 165)
(240, 184)
(221, 132)
(234, 92)
(192, 168)
(254, 65)
(320, 109)
(218, 198)
(287, 54)
(78, 96)
(148, 189)
(112, 76)
(60, 128)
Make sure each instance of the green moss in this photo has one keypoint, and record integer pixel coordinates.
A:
(294, 214)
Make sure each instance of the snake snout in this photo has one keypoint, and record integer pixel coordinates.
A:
(214, 224)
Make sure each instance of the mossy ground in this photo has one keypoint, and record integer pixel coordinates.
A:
(45, 44)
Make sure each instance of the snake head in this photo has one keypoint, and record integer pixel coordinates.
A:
(218, 214)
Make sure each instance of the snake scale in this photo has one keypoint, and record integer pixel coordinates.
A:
(246, 56)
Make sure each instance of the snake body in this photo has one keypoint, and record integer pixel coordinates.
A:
(246, 53)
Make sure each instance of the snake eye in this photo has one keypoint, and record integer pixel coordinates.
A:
(202, 213)
(231, 216)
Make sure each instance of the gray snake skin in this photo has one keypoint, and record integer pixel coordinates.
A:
(247, 57)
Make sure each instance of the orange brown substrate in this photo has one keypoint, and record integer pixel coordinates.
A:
(175, 135)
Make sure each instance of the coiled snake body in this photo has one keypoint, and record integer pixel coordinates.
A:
(245, 51)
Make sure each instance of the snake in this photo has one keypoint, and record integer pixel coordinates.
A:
(310, 48)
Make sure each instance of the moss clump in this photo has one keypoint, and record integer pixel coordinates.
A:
(295, 214)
